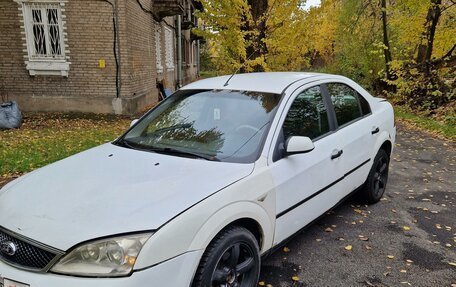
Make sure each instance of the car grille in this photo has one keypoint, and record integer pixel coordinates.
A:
(27, 256)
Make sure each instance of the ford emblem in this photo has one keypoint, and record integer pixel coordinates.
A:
(8, 248)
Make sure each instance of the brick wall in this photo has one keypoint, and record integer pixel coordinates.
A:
(139, 74)
(90, 38)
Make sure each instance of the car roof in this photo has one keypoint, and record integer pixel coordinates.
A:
(269, 82)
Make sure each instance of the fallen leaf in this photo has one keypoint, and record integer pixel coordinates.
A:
(348, 247)
(295, 278)
(390, 257)
(406, 228)
(286, 249)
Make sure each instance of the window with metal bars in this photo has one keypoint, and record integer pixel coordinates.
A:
(169, 49)
(44, 30)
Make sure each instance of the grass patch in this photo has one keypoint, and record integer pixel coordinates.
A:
(426, 122)
(208, 74)
(46, 138)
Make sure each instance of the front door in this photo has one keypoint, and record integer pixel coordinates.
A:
(307, 185)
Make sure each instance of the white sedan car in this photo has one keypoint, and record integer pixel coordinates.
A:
(200, 188)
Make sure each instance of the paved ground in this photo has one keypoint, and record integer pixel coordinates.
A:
(407, 239)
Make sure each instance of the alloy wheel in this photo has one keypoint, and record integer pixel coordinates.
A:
(235, 267)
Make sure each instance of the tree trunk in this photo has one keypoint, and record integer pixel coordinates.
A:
(256, 47)
(387, 48)
(425, 49)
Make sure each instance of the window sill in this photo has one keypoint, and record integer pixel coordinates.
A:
(48, 68)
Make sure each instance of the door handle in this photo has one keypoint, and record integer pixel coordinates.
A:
(336, 154)
(376, 130)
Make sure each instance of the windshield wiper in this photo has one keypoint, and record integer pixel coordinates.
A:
(124, 143)
(164, 150)
(169, 150)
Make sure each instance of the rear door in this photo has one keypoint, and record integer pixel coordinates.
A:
(308, 184)
(355, 132)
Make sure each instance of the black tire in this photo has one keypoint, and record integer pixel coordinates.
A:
(375, 185)
(231, 259)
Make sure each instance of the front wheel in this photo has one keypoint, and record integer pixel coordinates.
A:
(375, 185)
(231, 260)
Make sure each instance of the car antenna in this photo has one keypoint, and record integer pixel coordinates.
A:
(238, 69)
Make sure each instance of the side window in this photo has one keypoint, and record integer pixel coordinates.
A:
(345, 101)
(307, 115)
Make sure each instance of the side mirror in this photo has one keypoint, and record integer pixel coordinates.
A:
(133, 122)
(296, 144)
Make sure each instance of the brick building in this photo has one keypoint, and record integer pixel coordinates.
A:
(102, 56)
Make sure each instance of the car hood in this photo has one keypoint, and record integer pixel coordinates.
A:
(109, 190)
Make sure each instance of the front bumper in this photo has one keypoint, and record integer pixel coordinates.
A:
(176, 272)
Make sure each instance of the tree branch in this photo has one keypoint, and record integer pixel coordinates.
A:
(446, 60)
(448, 7)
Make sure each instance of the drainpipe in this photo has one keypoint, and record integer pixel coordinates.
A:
(118, 64)
(179, 51)
(198, 64)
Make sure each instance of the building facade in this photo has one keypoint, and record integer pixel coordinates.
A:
(102, 56)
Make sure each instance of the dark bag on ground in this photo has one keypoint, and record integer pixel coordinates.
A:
(10, 115)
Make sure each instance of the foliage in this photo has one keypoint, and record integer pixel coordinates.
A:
(237, 38)
(205, 58)
(399, 48)
(358, 52)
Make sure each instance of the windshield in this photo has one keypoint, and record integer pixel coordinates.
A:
(222, 125)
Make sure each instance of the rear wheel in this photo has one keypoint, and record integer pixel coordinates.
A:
(375, 185)
(231, 260)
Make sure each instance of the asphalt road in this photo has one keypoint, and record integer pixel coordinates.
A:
(407, 239)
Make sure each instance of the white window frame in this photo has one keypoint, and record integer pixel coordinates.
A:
(169, 49)
(44, 64)
(158, 49)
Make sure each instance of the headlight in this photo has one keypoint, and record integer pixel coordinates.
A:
(112, 257)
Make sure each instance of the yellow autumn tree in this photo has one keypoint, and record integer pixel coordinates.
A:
(253, 35)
